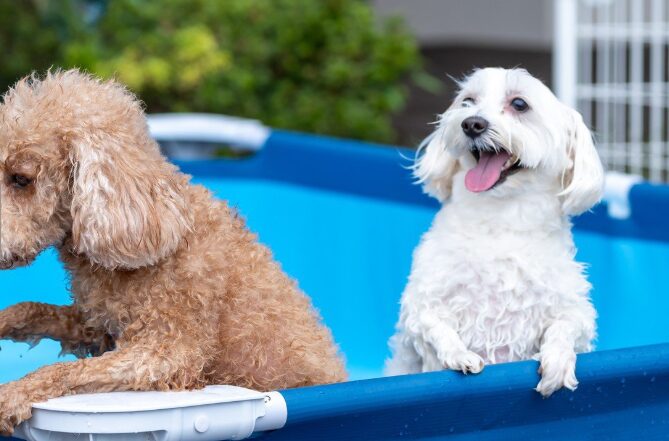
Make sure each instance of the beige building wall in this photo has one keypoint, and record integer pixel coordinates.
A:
(459, 35)
(493, 23)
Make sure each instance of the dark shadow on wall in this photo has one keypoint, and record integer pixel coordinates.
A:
(412, 124)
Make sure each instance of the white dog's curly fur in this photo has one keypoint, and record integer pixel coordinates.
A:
(494, 279)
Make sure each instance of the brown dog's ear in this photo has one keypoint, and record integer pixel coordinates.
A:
(128, 203)
(128, 208)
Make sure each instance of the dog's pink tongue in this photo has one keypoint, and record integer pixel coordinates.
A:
(487, 171)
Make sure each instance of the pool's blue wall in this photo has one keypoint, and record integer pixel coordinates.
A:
(622, 395)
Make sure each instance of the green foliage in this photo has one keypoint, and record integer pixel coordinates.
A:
(325, 66)
(23, 47)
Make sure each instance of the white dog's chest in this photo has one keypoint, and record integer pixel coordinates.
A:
(489, 282)
(498, 295)
(501, 320)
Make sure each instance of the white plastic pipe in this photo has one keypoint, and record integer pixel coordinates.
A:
(202, 127)
(617, 193)
(211, 414)
(564, 50)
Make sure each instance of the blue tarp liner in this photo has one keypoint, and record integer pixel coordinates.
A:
(343, 218)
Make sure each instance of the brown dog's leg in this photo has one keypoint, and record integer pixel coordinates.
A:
(30, 322)
(174, 361)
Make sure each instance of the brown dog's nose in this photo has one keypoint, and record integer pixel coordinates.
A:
(474, 126)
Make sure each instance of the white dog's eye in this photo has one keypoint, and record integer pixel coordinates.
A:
(519, 105)
(468, 102)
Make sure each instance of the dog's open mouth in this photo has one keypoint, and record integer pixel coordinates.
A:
(492, 168)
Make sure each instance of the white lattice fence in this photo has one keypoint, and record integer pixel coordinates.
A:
(612, 63)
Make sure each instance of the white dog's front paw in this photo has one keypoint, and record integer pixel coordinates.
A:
(557, 370)
(465, 361)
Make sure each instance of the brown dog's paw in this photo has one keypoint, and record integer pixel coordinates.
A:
(13, 411)
(6, 428)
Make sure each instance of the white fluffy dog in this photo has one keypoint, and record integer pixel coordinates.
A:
(494, 279)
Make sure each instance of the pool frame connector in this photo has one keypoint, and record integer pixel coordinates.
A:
(211, 414)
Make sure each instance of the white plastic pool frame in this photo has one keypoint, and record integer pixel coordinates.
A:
(197, 135)
(610, 62)
(211, 414)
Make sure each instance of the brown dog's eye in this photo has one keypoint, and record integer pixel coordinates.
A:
(20, 181)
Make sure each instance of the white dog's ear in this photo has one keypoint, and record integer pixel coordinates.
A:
(128, 203)
(435, 166)
(583, 180)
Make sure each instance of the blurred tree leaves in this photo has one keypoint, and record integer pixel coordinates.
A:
(325, 66)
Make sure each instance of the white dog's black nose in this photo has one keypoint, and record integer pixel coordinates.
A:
(474, 126)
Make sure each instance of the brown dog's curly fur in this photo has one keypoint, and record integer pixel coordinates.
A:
(170, 290)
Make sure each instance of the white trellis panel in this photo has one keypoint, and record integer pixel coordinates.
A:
(611, 62)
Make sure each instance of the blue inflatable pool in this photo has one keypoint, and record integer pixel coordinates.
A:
(343, 218)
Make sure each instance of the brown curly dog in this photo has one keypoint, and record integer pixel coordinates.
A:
(170, 290)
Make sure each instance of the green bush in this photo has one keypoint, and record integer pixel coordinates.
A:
(25, 42)
(325, 66)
